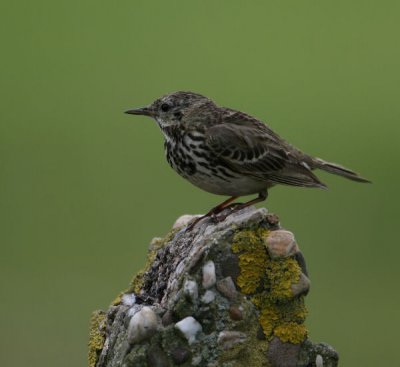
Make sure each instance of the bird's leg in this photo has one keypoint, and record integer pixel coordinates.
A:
(217, 209)
(262, 195)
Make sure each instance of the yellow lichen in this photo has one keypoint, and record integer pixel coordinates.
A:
(268, 318)
(291, 332)
(252, 258)
(96, 336)
(117, 299)
(269, 283)
(281, 274)
(137, 282)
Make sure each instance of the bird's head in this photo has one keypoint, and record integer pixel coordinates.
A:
(172, 108)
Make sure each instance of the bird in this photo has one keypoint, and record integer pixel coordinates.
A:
(228, 152)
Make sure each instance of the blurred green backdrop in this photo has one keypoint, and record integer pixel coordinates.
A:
(84, 187)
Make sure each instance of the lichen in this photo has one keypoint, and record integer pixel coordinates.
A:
(117, 299)
(281, 274)
(291, 332)
(252, 258)
(96, 336)
(269, 281)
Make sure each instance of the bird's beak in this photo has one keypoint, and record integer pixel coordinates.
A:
(146, 111)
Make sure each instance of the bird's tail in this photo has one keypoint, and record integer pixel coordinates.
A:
(337, 170)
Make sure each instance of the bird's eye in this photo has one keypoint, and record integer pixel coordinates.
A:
(165, 107)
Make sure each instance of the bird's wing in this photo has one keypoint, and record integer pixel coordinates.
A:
(250, 147)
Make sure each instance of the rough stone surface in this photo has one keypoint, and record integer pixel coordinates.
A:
(283, 354)
(311, 353)
(239, 305)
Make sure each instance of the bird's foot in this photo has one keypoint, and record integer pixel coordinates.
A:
(228, 211)
(196, 220)
(217, 214)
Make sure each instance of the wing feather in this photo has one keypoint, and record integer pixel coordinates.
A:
(250, 147)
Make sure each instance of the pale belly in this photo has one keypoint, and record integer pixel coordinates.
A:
(238, 186)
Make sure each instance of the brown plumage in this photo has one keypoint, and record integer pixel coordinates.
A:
(228, 152)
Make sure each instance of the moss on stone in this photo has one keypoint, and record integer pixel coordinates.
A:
(269, 282)
(96, 336)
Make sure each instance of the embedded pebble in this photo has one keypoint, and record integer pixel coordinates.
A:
(128, 299)
(228, 339)
(156, 357)
(319, 361)
(281, 243)
(208, 297)
(191, 289)
(302, 286)
(227, 287)
(235, 313)
(184, 220)
(167, 318)
(143, 325)
(209, 277)
(134, 309)
(180, 355)
(196, 360)
(189, 327)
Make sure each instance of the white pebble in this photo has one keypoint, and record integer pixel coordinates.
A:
(319, 361)
(134, 309)
(184, 220)
(143, 325)
(209, 277)
(189, 327)
(128, 299)
(191, 289)
(208, 297)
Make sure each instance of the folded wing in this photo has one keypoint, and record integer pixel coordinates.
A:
(250, 147)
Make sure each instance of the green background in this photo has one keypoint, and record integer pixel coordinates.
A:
(84, 187)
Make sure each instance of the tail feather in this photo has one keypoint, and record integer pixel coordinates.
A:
(338, 170)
